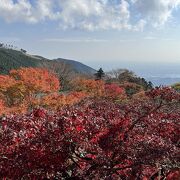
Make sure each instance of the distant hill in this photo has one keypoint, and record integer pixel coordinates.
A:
(13, 59)
(77, 66)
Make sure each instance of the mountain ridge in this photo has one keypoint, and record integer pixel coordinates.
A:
(13, 59)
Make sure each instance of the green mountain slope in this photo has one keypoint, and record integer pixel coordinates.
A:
(13, 59)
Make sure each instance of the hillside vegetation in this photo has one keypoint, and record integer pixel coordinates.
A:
(111, 125)
(12, 59)
(65, 69)
(98, 130)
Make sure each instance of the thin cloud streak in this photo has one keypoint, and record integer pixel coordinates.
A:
(85, 40)
(62, 40)
(151, 38)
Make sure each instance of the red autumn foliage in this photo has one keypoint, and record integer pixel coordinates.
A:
(95, 139)
(173, 175)
(39, 113)
(114, 91)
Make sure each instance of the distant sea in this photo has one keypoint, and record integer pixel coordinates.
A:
(158, 73)
(163, 81)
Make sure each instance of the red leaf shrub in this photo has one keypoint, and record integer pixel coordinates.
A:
(114, 91)
(32, 146)
(39, 113)
(95, 139)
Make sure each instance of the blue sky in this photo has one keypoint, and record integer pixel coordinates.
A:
(97, 32)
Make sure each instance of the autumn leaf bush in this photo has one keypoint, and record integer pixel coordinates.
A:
(98, 88)
(37, 80)
(93, 88)
(95, 139)
(131, 88)
(114, 91)
(23, 87)
(86, 133)
(56, 101)
(1, 106)
(26, 88)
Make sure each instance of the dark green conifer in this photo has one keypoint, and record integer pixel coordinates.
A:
(99, 74)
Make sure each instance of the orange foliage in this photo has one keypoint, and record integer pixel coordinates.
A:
(2, 108)
(89, 86)
(55, 101)
(23, 88)
(5, 82)
(52, 101)
(26, 88)
(36, 80)
(75, 97)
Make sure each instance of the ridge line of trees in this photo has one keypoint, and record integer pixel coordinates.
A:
(9, 46)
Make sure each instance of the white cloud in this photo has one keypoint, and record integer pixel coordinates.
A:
(156, 12)
(20, 11)
(91, 14)
(94, 14)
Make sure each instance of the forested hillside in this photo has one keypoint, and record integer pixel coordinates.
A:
(13, 59)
